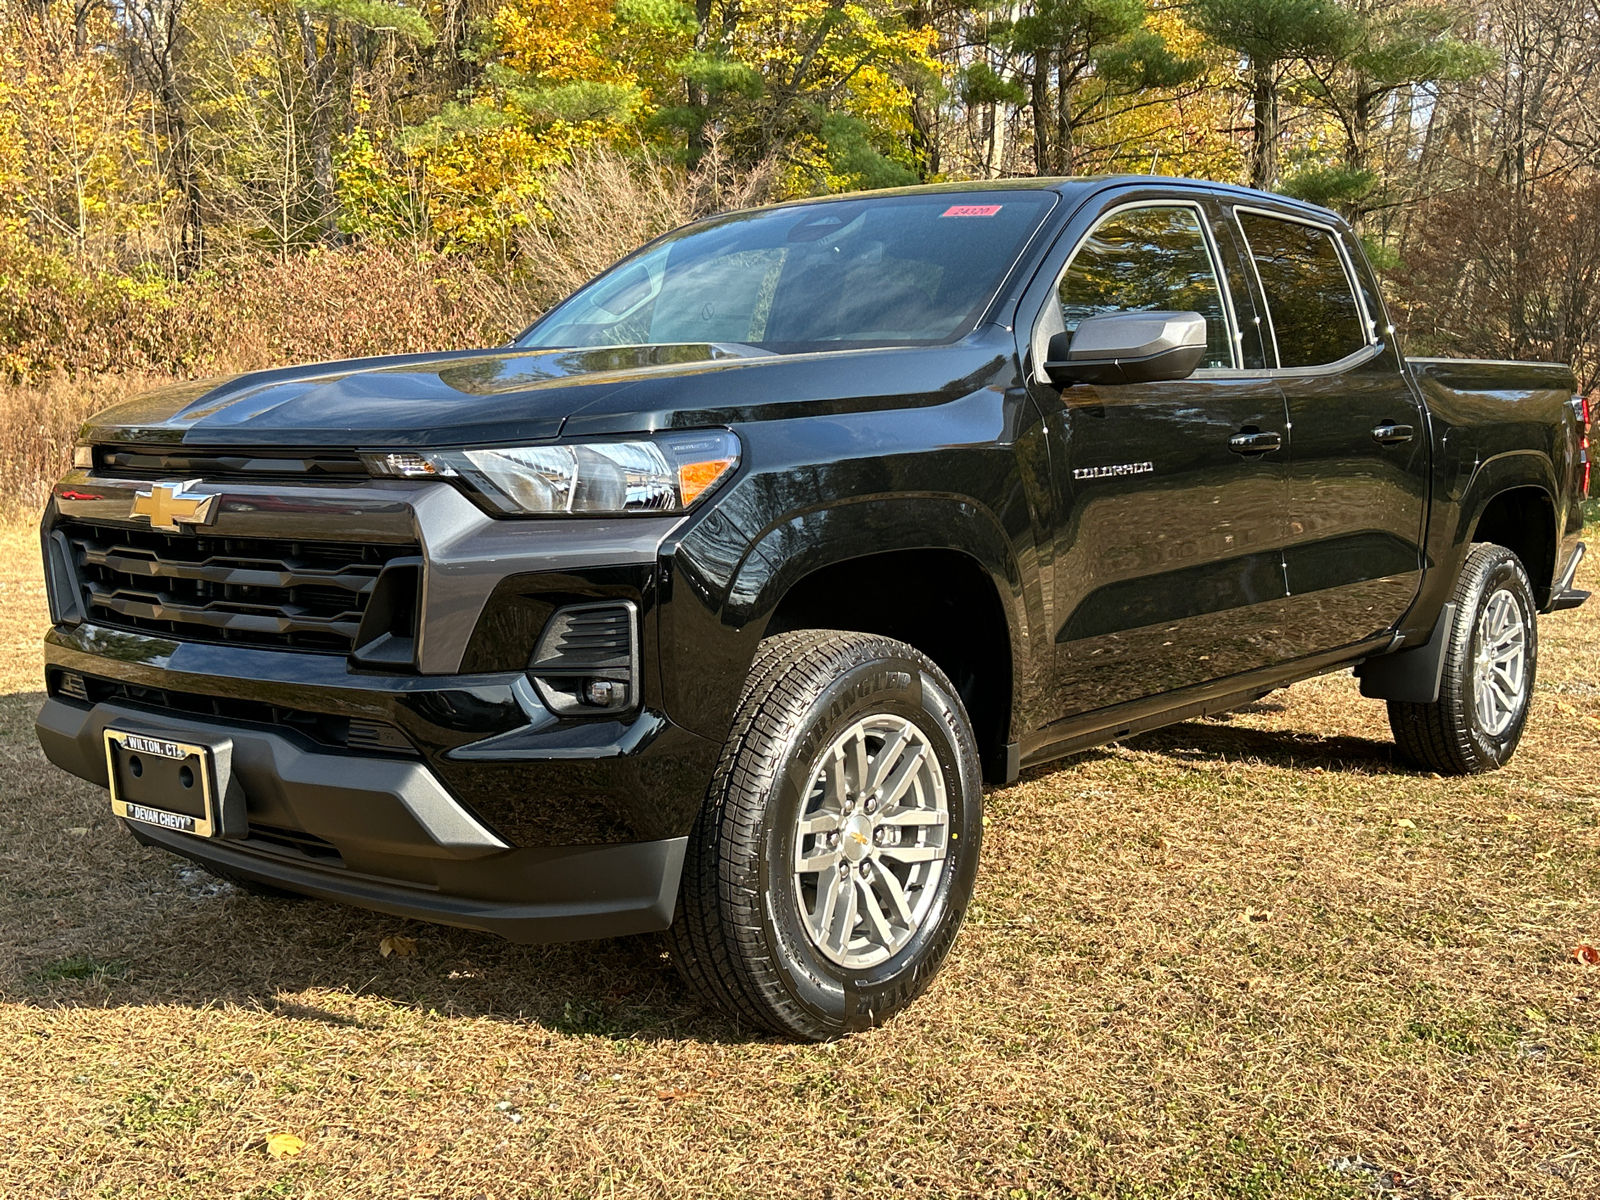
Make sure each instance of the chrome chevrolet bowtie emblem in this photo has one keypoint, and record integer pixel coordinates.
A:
(169, 505)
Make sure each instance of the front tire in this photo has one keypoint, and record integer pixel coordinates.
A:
(833, 861)
(1491, 660)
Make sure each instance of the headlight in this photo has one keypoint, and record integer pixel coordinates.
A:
(661, 475)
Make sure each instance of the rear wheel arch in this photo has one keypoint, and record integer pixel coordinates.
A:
(1523, 519)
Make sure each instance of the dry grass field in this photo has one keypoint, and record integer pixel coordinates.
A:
(1245, 957)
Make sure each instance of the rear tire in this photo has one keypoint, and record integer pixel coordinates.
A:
(832, 863)
(1491, 661)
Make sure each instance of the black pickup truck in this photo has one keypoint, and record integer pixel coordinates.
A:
(709, 603)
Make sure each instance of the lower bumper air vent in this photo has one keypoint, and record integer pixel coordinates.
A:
(587, 661)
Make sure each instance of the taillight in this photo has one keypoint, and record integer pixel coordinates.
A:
(1583, 446)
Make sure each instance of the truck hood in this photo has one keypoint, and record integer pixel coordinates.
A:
(414, 399)
(516, 396)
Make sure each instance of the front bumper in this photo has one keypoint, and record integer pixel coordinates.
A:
(385, 834)
(436, 786)
(569, 894)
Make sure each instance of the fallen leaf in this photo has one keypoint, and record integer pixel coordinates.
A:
(674, 1093)
(1586, 954)
(400, 947)
(1565, 709)
(285, 1145)
(1254, 914)
(1434, 775)
(78, 830)
(1406, 823)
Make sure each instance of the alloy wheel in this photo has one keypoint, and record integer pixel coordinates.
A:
(1499, 674)
(872, 840)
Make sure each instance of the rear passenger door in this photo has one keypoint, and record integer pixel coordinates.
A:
(1168, 568)
(1358, 450)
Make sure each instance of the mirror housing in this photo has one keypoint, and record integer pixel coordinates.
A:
(1128, 347)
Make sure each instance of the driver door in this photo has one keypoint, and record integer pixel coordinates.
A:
(1169, 567)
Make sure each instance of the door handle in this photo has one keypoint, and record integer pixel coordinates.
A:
(1251, 442)
(1390, 434)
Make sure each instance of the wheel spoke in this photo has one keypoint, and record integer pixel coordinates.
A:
(1507, 643)
(837, 786)
(820, 821)
(821, 861)
(887, 756)
(828, 888)
(902, 777)
(897, 894)
(844, 919)
(913, 854)
(874, 914)
(858, 747)
(915, 817)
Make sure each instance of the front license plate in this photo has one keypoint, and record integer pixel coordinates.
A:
(163, 782)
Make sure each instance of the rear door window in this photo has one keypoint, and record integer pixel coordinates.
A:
(1313, 309)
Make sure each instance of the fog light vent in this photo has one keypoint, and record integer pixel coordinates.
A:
(587, 660)
(72, 685)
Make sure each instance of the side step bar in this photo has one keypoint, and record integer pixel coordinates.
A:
(1564, 595)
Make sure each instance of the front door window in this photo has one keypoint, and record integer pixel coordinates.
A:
(1153, 258)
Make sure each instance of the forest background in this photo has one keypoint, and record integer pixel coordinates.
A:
(189, 187)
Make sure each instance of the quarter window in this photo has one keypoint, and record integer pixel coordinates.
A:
(1154, 258)
(1314, 312)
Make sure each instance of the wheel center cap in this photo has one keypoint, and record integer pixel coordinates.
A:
(855, 837)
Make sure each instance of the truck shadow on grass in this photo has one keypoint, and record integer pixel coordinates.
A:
(310, 961)
(90, 919)
(97, 920)
(1289, 749)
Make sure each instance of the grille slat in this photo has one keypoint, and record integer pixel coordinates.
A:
(222, 464)
(355, 733)
(305, 595)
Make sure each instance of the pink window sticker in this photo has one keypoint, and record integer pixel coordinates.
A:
(971, 210)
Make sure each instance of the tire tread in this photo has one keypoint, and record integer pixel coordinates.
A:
(716, 939)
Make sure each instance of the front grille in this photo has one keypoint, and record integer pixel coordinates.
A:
(300, 595)
(158, 463)
(349, 733)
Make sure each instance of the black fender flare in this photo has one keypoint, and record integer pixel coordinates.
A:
(1504, 473)
(718, 635)
(1456, 513)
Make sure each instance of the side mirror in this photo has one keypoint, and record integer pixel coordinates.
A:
(1128, 347)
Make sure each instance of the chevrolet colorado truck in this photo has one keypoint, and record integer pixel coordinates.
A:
(709, 604)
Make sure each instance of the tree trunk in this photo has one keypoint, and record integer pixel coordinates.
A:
(1264, 150)
(1063, 146)
(994, 154)
(157, 31)
(1042, 158)
(694, 96)
(320, 70)
(1358, 144)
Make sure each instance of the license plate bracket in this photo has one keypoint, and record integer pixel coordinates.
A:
(172, 783)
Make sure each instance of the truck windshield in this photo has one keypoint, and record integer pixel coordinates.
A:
(890, 270)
